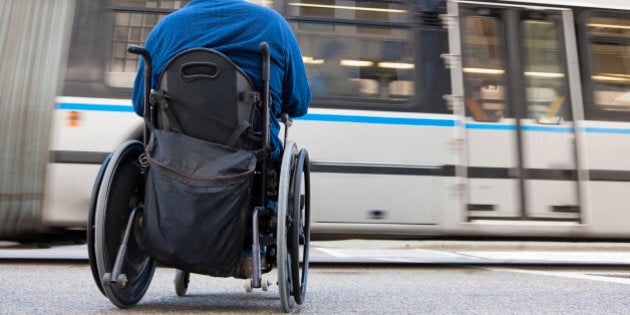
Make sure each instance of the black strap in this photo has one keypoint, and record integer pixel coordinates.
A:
(221, 122)
(238, 132)
(169, 122)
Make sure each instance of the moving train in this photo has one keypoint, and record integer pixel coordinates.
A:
(429, 117)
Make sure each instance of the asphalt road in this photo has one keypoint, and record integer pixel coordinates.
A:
(66, 287)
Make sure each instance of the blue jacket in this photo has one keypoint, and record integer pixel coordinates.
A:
(235, 28)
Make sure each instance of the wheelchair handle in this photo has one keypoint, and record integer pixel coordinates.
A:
(264, 49)
(148, 63)
(138, 50)
(148, 72)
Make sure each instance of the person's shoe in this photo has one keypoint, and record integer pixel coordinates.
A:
(244, 268)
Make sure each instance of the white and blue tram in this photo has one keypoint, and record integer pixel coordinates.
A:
(429, 117)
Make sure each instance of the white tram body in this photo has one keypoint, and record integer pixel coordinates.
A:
(465, 118)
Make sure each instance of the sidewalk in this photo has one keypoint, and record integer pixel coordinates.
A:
(474, 252)
(431, 252)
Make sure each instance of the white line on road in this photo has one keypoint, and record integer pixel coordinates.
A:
(564, 274)
(332, 252)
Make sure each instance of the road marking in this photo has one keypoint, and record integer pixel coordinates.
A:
(564, 274)
(333, 252)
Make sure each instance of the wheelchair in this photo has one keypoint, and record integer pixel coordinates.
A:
(199, 190)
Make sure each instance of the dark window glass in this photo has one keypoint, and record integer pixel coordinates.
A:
(484, 67)
(544, 71)
(609, 48)
(133, 21)
(355, 49)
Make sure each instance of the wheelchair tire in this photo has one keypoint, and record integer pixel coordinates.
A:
(182, 279)
(300, 236)
(121, 190)
(292, 280)
(90, 225)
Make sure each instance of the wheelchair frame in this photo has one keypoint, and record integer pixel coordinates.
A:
(122, 272)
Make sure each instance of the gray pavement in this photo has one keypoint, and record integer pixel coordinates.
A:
(397, 277)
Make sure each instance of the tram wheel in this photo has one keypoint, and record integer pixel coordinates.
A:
(300, 234)
(182, 279)
(122, 190)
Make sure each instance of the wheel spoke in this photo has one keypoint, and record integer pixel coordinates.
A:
(121, 186)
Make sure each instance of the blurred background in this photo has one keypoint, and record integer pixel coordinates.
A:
(429, 118)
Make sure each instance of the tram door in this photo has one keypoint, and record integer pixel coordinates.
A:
(519, 158)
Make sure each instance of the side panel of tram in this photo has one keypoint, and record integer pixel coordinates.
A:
(33, 42)
(380, 132)
(533, 138)
(93, 115)
(521, 146)
(525, 134)
(357, 146)
(550, 86)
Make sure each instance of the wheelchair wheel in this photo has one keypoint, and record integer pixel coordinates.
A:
(90, 225)
(293, 227)
(182, 279)
(300, 225)
(121, 190)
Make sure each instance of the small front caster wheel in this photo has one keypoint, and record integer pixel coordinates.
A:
(264, 284)
(182, 278)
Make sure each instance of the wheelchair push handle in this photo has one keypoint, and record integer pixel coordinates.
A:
(138, 50)
(264, 49)
(148, 70)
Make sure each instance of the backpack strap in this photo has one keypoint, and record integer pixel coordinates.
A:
(167, 118)
(238, 132)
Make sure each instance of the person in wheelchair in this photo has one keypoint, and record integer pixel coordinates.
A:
(213, 78)
(235, 28)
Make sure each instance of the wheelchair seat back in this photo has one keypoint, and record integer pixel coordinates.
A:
(202, 157)
(203, 94)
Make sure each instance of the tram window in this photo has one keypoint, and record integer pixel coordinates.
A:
(163, 4)
(544, 73)
(610, 59)
(132, 24)
(355, 62)
(346, 59)
(375, 11)
(483, 67)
